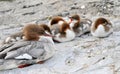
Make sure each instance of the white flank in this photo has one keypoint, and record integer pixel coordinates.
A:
(24, 56)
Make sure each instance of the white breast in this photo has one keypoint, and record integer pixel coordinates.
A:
(70, 35)
(72, 24)
(100, 32)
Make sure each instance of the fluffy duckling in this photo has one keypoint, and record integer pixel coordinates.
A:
(101, 28)
(63, 33)
(60, 29)
(80, 26)
(14, 37)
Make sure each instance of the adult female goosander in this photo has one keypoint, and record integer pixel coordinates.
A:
(37, 47)
(101, 28)
(80, 26)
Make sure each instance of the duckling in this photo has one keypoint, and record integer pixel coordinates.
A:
(101, 27)
(80, 26)
(14, 37)
(63, 33)
(60, 29)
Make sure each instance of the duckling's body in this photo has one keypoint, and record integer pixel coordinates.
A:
(14, 37)
(80, 26)
(101, 28)
(68, 36)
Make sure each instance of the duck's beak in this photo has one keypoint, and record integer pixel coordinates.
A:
(48, 34)
(71, 19)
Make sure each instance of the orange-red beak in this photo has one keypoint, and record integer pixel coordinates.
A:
(49, 35)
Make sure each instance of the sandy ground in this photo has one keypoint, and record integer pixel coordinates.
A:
(83, 55)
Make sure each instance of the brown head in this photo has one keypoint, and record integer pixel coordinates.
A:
(63, 28)
(55, 20)
(76, 20)
(32, 32)
(102, 21)
(75, 17)
(46, 28)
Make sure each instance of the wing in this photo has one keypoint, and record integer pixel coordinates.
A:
(13, 46)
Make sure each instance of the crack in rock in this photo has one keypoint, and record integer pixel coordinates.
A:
(6, 11)
(25, 6)
(29, 13)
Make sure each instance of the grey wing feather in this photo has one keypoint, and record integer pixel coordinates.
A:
(14, 46)
(5, 46)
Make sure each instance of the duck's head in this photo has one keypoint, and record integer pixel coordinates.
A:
(56, 20)
(102, 21)
(63, 28)
(46, 28)
(75, 22)
(33, 32)
(75, 18)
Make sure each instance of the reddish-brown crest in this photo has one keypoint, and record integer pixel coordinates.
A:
(32, 32)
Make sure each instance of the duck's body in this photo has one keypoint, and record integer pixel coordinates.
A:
(60, 30)
(63, 33)
(42, 50)
(101, 28)
(68, 36)
(86, 25)
(80, 26)
(36, 51)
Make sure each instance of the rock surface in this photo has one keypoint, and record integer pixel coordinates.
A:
(83, 55)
